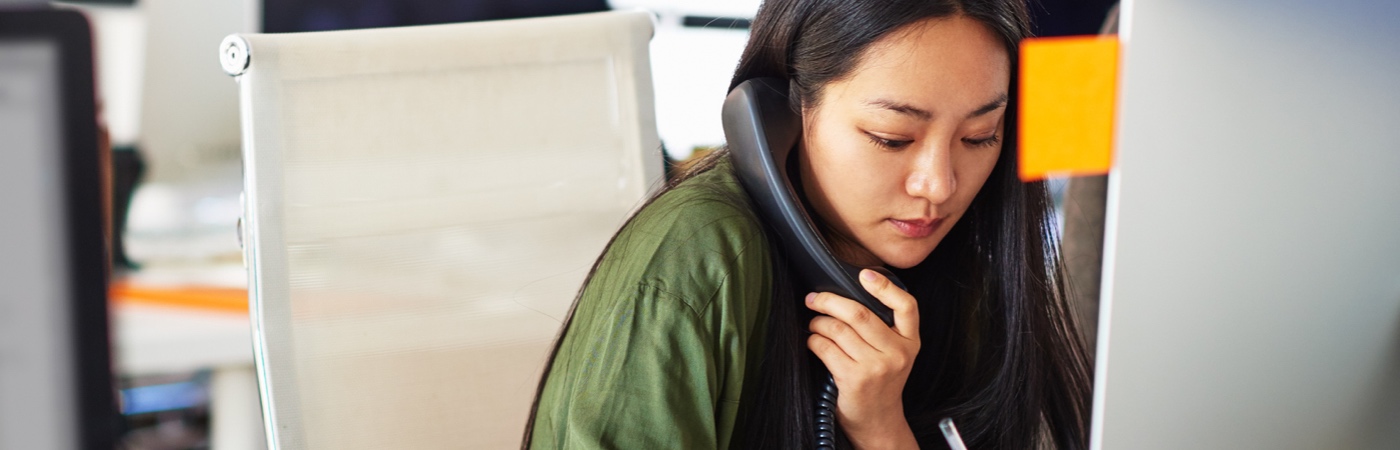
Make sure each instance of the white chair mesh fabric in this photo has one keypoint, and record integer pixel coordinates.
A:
(422, 205)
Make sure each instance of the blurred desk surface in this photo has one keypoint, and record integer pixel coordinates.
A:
(193, 318)
(161, 327)
(158, 339)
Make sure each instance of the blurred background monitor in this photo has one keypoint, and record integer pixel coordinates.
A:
(56, 387)
(189, 108)
(279, 16)
(189, 124)
(1252, 267)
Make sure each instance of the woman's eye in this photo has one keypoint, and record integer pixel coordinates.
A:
(983, 142)
(891, 144)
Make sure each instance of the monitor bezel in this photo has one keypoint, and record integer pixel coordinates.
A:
(87, 262)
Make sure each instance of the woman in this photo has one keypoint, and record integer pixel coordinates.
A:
(690, 332)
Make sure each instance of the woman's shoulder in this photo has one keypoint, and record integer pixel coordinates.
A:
(695, 242)
(669, 327)
(708, 209)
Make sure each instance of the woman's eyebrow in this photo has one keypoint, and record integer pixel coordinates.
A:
(916, 112)
(989, 107)
(902, 108)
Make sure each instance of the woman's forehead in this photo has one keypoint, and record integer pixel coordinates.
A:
(943, 65)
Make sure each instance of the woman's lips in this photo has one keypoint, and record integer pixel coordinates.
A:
(916, 228)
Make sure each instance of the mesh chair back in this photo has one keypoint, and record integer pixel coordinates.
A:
(422, 205)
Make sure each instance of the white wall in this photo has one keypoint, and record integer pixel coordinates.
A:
(119, 39)
(706, 8)
(691, 68)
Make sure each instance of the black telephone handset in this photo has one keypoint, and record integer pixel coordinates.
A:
(762, 130)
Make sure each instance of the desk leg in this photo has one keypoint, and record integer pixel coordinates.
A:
(235, 413)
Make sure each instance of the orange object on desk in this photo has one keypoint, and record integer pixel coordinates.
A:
(205, 298)
(1068, 93)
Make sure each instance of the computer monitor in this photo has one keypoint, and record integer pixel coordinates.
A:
(189, 126)
(56, 387)
(280, 16)
(189, 107)
(1252, 267)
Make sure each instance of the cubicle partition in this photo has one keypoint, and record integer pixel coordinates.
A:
(1252, 270)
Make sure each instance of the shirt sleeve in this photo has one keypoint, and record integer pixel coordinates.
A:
(647, 378)
(664, 336)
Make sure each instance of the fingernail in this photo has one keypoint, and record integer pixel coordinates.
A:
(810, 297)
(868, 275)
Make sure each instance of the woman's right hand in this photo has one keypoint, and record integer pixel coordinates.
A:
(869, 360)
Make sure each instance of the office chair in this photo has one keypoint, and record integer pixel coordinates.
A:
(421, 206)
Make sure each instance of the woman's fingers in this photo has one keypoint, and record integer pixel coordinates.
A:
(841, 333)
(847, 310)
(906, 309)
(833, 357)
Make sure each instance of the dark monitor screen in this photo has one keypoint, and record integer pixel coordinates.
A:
(280, 16)
(55, 366)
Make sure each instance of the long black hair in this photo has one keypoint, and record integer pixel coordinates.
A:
(1001, 353)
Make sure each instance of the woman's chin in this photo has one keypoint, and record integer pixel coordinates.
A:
(905, 257)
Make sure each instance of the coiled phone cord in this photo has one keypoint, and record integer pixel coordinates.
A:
(826, 415)
(826, 420)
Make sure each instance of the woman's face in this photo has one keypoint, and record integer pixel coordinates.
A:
(892, 154)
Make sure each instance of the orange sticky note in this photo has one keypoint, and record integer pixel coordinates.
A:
(1068, 92)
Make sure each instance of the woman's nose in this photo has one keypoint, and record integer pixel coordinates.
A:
(933, 177)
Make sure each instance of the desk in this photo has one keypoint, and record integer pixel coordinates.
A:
(153, 339)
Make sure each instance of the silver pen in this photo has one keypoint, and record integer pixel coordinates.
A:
(950, 433)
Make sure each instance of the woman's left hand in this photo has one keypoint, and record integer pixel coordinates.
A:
(869, 360)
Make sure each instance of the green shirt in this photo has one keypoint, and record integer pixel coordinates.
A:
(668, 330)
